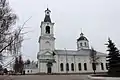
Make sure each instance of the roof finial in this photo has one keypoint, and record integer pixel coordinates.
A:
(81, 34)
(81, 30)
(47, 7)
(47, 15)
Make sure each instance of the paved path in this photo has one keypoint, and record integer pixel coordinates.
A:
(50, 77)
(5, 77)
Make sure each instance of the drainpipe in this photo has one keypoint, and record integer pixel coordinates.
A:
(75, 63)
(58, 63)
(66, 60)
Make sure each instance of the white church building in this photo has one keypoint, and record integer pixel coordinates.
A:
(51, 60)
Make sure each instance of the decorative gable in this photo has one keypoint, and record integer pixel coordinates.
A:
(48, 54)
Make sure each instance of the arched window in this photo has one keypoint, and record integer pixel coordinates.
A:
(80, 44)
(61, 66)
(72, 67)
(102, 67)
(79, 66)
(85, 66)
(67, 67)
(48, 29)
(85, 44)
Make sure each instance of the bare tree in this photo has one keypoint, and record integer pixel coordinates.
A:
(14, 36)
(94, 59)
(27, 63)
(7, 20)
(15, 46)
(10, 38)
(21, 64)
(16, 65)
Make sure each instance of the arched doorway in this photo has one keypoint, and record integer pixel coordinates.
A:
(49, 67)
(49, 70)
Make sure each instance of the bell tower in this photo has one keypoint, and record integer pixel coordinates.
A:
(47, 40)
(46, 44)
(82, 42)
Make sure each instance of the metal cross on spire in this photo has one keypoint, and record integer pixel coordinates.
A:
(81, 34)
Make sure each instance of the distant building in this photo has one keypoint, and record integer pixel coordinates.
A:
(31, 68)
(51, 60)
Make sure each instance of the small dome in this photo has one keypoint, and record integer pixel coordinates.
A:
(82, 38)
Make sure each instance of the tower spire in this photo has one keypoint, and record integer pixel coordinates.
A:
(47, 5)
(47, 16)
(81, 30)
(81, 34)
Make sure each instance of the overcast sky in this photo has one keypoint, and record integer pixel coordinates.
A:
(99, 19)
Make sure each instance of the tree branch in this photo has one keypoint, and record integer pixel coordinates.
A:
(20, 29)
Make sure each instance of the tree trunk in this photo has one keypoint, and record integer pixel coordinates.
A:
(94, 67)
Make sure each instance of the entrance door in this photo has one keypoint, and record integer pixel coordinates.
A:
(49, 70)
